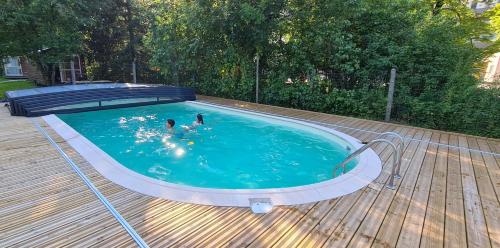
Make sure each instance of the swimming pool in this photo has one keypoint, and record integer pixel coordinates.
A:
(236, 156)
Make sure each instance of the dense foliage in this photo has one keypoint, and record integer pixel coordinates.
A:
(114, 41)
(330, 56)
(334, 56)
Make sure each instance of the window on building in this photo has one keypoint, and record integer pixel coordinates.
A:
(12, 66)
(65, 69)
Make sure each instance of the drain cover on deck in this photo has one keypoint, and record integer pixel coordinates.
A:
(260, 205)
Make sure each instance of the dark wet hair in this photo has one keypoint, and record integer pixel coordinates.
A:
(171, 122)
(199, 117)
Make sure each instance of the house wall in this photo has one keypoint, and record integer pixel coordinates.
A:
(493, 69)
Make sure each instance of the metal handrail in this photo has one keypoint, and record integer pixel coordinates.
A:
(401, 146)
(353, 155)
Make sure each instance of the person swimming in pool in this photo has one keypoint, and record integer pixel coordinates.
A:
(170, 125)
(171, 130)
(198, 122)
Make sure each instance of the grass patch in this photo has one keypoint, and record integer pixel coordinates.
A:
(16, 85)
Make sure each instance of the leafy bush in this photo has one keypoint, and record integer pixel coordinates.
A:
(364, 102)
(473, 110)
(338, 61)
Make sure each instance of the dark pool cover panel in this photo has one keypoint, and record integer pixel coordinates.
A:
(65, 99)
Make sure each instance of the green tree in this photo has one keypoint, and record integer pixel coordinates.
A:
(213, 43)
(337, 54)
(114, 40)
(45, 31)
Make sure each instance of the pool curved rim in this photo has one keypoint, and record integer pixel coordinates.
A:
(368, 169)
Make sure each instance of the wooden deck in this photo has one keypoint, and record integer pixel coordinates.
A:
(447, 196)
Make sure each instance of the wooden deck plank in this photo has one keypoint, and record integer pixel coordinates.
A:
(494, 145)
(134, 206)
(492, 166)
(488, 197)
(220, 236)
(202, 232)
(319, 236)
(455, 231)
(266, 238)
(389, 230)
(179, 230)
(347, 228)
(55, 232)
(64, 178)
(363, 229)
(307, 224)
(153, 219)
(245, 227)
(47, 201)
(295, 234)
(148, 224)
(433, 229)
(28, 219)
(411, 230)
(477, 233)
(40, 216)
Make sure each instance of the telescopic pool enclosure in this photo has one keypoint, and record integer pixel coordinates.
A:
(88, 97)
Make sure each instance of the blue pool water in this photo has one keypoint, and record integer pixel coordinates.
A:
(232, 150)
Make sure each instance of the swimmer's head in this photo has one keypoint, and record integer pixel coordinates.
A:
(170, 123)
(199, 119)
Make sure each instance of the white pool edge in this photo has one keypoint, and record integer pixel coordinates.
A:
(368, 169)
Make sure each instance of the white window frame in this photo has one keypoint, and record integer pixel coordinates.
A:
(64, 67)
(18, 68)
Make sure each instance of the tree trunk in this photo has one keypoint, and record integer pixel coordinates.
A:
(45, 73)
(53, 74)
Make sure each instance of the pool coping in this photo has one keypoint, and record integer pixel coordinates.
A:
(368, 169)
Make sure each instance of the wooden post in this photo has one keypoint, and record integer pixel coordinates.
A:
(390, 95)
(73, 76)
(134, 74)
(61, 75)
(257, 79)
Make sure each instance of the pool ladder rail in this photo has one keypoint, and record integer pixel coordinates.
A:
(396, 159)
